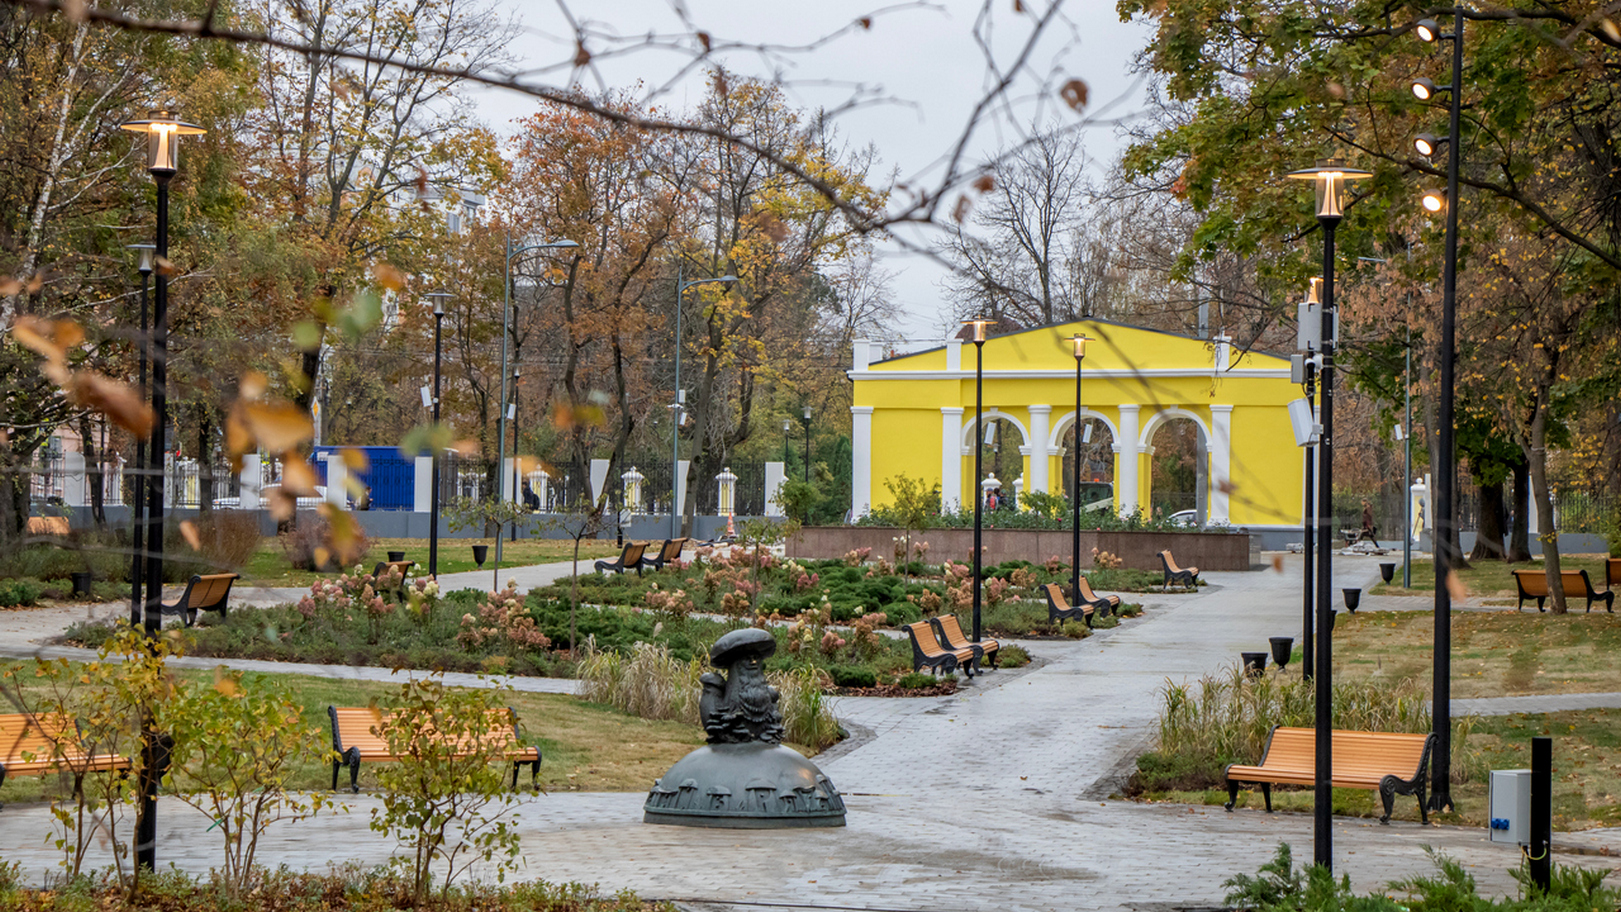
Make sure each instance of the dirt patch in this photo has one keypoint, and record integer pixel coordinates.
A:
(943, 689)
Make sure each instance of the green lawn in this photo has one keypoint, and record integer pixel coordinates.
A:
(586, 746)
(1492, 580)
(269, 566)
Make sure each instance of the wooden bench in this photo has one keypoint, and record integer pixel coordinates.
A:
(48, 525)
(1108, 604)
(209, 592)
(33, 745)
(1534, 584)
(629, 559)
(1388, 762)
(1058, 607)
(404, 566)
(1612, 572)
(1186, 576)
(948, 631)
(669, 554)
(357, 736)
(928, 653)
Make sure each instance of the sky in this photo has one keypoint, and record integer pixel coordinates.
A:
(918, 62)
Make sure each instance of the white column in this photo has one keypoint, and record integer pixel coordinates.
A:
(1126, 453)
(861, 461)
(950, 457)
(422, 495)
(509, 480)
(681, 469)
(953, 354)
(336, 472)
(1221, 461)
(775, 474)
(249, 481)
(599, 477)
(1040, 416)
(861, 355)
(73, 487)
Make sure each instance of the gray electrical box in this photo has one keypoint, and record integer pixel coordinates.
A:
(1511, 806)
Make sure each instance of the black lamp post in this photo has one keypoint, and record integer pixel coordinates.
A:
(438, 298)
(1329, 178)
(680, 403)
(138, 508)
(1079, 341)
(1424, 90)
(162, 160)
(979, 326)
(805, 419)
(787, 427)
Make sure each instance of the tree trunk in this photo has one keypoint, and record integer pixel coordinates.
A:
(1519, 543)
(93, 473)
(1489, 534)
(1537, 456)
(205, 463)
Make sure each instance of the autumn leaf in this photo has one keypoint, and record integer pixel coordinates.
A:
(581, 55)
(1074, 93)
(865, 22)
(354, 460)
(703, 39)
(188, 531)
(1610, 29)
(1455, 586)
(166, 267)
(277, 426)
(225, 682)
(281, 504)
(118, 401)
(959, 212)
(985, 183)
(388, 276)
(10, 286)
(298, 478)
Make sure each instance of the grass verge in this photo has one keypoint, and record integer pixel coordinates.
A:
(1490, 579)
(269, 566)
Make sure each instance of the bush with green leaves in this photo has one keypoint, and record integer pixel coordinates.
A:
(15, 592)
(236, 743)
(444, 800)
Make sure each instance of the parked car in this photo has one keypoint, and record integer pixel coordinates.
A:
(1188, 518)
(269, 490)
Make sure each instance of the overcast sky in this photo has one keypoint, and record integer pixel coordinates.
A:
(922, 59)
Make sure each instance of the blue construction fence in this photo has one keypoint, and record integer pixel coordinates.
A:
(390, 473)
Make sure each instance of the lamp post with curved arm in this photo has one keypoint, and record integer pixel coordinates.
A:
(979, 326)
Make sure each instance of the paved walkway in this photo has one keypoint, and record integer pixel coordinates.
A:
(993, 798)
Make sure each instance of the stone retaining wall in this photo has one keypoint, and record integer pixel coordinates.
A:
(1205, 550)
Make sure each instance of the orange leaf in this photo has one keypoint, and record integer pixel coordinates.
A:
(388, 276)
(116, 400)
(253, 385)
(985, 183)
(298, 478)
(225, 682)
(280, 504)
(1074, 93)
(278, 426)
(355, 459)
(188, 531)
(581, 55)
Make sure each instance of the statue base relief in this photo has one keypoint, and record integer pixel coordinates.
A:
(754, 785)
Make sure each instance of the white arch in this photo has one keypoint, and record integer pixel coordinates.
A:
(1168, 414)
(967, 436)
(1068, 419)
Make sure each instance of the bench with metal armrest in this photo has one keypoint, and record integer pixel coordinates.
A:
(1186, 576)
(928, 653)
(1390, 762)
(357, 736)
(35, 744)
(669, 554)
(950, 635)
(629, 559)
(205, 592)
(1534, 584)
(1058, 607)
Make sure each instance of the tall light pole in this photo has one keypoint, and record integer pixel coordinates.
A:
(138, 509)
(438, 298)
(1078, 341)
(805, 419)
(163, 134)
(1329, 178)
(1423, 89)
(979, 326)
(506, 334)
(680, 397)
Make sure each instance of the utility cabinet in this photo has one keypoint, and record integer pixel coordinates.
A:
(1511, 806)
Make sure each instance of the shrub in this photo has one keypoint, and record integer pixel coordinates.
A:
(314, 545)
(19, 592)
(1075, 630)
(918, 680)
(807, 718)
(227, 539)
(851, 676)
(648, 682)
(1013, 657)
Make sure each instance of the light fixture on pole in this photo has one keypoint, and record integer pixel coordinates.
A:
(1441, 763)
(163, 134)
(138, 509)
(1329, 179)
(979, 326)
(676, 487)
(805, 419)
(438, 298)
(787, 428)
(1310, 342)
(1078, 346)
(506, 335)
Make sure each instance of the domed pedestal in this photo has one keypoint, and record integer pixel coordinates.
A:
(744, 786)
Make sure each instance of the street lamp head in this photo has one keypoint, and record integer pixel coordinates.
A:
(438, 298)
(1314, 290)
(1434, 201)
(807, 413)
(1079, 341)
(564, 244)
(1427, 31)
(1329, 178)
(162, 150)
(979, 324)
(146, 253)
(787, 425)
(1428, 143)
(1425, 89)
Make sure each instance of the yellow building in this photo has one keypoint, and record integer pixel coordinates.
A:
(913, 415)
